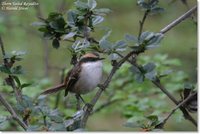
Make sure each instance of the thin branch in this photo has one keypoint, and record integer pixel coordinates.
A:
(12, 112)
(142, 23)
(161, 125)
(10, 78)
(178, 20)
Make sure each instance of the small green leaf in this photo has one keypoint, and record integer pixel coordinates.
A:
(135, 69)
(106, 36)
(57, 127)
(139, 77)
(32, 128)
(157, 10)
(97, 19)
(69, 35)
(149, 67)
(56, 43)
(105, 45)
(81, 5)
(25, 85)
(113, 56)
(92, 4)
(17, 81)
(4, 69)
(17, 70)
(71, 18)
(165, 73)
(151, 75)
(120, 44)
(131, 38)
(101, 11)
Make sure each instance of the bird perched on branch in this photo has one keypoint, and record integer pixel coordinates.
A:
(83, 77)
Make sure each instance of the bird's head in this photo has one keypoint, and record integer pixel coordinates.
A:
(91, 57)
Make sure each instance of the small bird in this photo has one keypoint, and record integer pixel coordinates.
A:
(83, 77)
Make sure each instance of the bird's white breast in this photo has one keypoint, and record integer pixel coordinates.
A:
(90, 77)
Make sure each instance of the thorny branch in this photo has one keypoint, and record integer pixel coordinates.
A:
(89, 107)
(12, 112)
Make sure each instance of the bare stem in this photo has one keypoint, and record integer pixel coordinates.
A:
(142, 23)
(178, 20)
(12, 112)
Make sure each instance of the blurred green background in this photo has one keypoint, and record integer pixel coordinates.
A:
(180, 42)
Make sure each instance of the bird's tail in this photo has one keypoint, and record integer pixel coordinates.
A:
(53, 89)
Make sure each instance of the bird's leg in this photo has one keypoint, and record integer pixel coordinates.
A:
(80, 98)
(78, 106)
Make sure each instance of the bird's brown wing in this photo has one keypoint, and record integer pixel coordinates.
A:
(72, 78)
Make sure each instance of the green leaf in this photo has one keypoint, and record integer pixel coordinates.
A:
(3, 119)
(113, 56)
(97, 19)
(56, 118)
(81, 5)
(139, 77)
(71, 17)
(165, 73)
(151, 75)
(69, 35)
(92, 4)
(25, 85)
(17, 81)
(157, 10)
(57, 127)
(131, 38)
(53, 15)
(149, 67)
(102, 11)
(17, 70)
(135, 69)
(105, 45)
(32, 128)
(120, 44)
(4, 69)
(106, 36)
(56, 43)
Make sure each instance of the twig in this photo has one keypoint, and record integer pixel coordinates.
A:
(11, 80)
(12, 112)
(178, 20)
(173, 110)
(142, 23)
